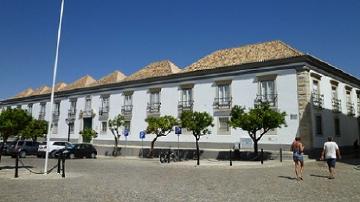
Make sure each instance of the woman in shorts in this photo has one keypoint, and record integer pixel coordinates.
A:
(297, 148)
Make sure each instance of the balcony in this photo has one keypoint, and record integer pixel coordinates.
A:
(87, 113)
(317, 100)
(270, 99)
(42, 116)
(153, 109)
(350, 108)
(56, 115)
(126, 110)
(71, 114)
(185, 105)
(104, 113)
(223, 103)
(336, 105)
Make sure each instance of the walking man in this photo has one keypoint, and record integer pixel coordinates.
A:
(329, 152)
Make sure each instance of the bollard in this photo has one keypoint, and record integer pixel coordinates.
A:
(230, 158)
(17, 165)
(63, 166)
(280, 154)
(58, 165)
(262, 156)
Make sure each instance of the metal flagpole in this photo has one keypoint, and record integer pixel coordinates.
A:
(53, 87)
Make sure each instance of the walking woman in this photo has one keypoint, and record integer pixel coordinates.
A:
(297, 148)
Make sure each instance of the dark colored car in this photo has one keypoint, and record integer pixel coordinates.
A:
(23, 147)
(78, 151)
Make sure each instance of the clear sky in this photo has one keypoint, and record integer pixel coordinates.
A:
(101, 36)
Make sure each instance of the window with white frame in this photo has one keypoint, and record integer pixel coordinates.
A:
(154, 98)
(54, 127)
(72, 110)
(56, 111)
(186, 99)
(42, 111)
(104, 104)
(315, 87)
(87, 103)
(30, 109)
(224, 125)
(127, 108)
(267, 90)
(104, 126)
(71, 127)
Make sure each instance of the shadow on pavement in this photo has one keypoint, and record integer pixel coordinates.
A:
(13, 167)
(322, 176)
(287, 177)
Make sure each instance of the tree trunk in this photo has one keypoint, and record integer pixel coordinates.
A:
(115, 151)
(2, 147)
(152, 147)
(256, 147)
(197, 150)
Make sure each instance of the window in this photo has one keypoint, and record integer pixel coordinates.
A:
(54, 127)
(315, 87)
(316, 97)
(154, 98)
(349, 104)
(72, 110)
(29, 110)
(71, 127)
(334, 94)
(154, 104)
(318, 124)
(127, 125)
(223, 97)
(266, 92)
(127, 108)
(336, 103)
(56, 109)
(186, 97)
(224, 124)
(337, 127)
(42, 111)
(88, 103)
(104, 126)
(104, 104)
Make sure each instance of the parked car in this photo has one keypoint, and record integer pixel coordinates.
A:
(23, 147)
(54, 146)
(78, 151)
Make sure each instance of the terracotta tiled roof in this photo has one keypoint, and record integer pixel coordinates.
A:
(260, 52)
(114, 77)
(24, 93)
(83, 82)
(161, 68)
(41, 90)
(58, 87)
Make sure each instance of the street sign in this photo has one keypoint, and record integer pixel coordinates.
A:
(126, 132)
(142, 135)
(177, 131)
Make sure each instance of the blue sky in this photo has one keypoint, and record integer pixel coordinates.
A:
(100, 37)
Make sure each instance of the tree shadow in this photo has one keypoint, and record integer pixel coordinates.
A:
(287, 177)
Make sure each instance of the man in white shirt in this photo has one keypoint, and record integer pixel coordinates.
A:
(329, 152)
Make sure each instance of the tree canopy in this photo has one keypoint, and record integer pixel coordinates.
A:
(35, 129)
(13, 122)
(160, 126)
(257, 121)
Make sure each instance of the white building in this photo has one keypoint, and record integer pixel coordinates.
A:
(320, 100)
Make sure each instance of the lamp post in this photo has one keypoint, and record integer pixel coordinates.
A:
(68, 123)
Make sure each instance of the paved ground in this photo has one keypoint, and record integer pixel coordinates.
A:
(129, 179)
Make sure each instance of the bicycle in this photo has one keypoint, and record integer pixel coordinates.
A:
(168, 156)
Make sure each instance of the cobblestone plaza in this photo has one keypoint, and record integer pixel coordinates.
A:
(132, 179)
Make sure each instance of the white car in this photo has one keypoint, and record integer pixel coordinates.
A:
(53, 147)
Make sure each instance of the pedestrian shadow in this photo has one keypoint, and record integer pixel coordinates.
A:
(287, 177)
(13, 167)
(322, 176)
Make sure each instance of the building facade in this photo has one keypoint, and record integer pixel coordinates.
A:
(319, 99)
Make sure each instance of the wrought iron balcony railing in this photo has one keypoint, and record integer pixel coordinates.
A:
(317, 100)
(104, 113)
(270, 99)
(126, 109)
(71, 113)
(153, 107)
(87, 113)
(42, 116)
(350, 108)
(185, 105)
(222, 103)
(336, 105)
(56, 115)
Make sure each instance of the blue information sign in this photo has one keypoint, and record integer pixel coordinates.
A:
(142, 135)
(177, 131)
(126, 132)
